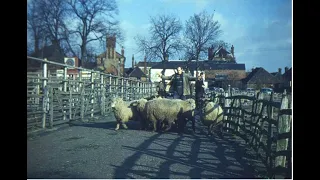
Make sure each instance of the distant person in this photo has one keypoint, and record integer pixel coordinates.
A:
(161, 90)
(199, 90)
(180, 83)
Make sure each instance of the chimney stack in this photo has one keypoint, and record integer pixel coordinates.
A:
(132, 61)
(111, 46)
(145, 64)
(210, 53)
(122, 51)
(232, 50)
(279, 71)
(286, 69)
(123, 61)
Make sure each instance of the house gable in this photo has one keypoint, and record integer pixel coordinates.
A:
(287, 76)
(135, 72)
(260, 76)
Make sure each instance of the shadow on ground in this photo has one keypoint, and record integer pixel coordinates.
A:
(105, 124)
(55, 174)
(191, 156)
(95, 150)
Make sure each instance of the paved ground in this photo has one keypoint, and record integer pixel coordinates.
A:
(95, 150)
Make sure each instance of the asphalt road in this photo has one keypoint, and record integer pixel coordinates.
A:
(96, 150)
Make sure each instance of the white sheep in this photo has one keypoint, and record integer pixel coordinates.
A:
(213, 114)
(169, 110)
(124, 111)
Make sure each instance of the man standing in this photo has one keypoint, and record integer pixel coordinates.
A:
(199, 90)
(180, 83)
(181, 89)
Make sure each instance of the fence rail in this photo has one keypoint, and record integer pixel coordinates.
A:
(52, 100)
(265, 123)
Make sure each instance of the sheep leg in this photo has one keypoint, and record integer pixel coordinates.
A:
(181, 124)
(118, 126)
(169, 126)
(155, 126)
(193, 125)
(124, 125)
(210, 129)
(143, 124)
(163, 125)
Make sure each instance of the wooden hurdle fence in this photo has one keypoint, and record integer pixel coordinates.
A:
(265, 123)
(53, 99)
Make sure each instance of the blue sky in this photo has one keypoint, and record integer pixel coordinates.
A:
(260, 30)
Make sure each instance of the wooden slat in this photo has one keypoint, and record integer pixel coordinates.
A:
(33, 113)
(284, 135)
(287, 153)
(285, 112)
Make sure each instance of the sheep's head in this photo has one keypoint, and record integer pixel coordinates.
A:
(115, 101)
(192, 103)
(141, 103)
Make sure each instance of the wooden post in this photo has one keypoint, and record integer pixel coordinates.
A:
(284, 122)
(226, 104)
(82, 101)
(64, 90)
(139, 89)
(110, 84)
(126, 90)
(80, 80)
(269, 141)
(102, 96)
(152, 90)
(37, 100)
(133, 89)
(51, 107)
(116, 87)
(149, 88)
(239, 112)
(45, 91)
(92, 93)
(257, 110)
(122, 91)
(130, 89)
(144, 89)
(65, 79)
(70, 102)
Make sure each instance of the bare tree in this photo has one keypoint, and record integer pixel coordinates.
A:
(222, 43)
(164, 38)
(94, 20)
(35, 25)
(54, 15)
(201, 32)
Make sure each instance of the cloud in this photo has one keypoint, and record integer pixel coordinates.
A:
(222, 21)
(266, 43)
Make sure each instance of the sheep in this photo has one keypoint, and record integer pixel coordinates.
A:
(213, 114)
(153, 97)
(140, 109)
(169, 110)
(140, 104)
(124, 111)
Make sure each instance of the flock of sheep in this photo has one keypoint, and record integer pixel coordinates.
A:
(160, 114)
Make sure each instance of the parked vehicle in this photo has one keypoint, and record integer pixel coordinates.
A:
(250, 90)
(266, 90)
